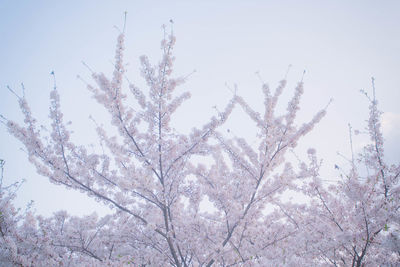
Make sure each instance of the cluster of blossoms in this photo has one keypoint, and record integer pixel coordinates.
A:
(147, 175)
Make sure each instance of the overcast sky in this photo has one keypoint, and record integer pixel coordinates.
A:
(340, 44)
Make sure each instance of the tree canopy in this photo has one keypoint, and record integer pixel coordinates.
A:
(156, 180)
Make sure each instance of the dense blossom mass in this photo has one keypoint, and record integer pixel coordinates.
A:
(156, 180)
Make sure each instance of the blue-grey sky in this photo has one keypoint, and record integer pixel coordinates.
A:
(340, 44)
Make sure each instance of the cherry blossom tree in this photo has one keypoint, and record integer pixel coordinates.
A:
(22, 243)
(354, 222)
(9, 219)
(152, 177)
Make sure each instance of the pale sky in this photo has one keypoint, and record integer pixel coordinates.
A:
(340, 44)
